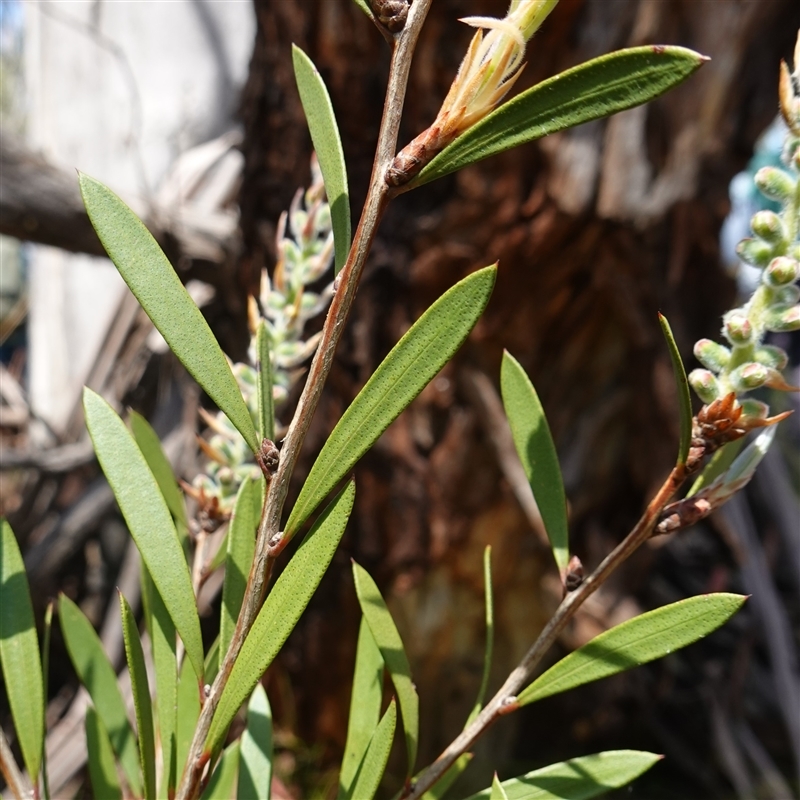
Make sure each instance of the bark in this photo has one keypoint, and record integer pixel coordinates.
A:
(596, 230)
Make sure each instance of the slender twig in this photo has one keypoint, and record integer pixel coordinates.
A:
(269, 542)
(11, 772)
(505, 700)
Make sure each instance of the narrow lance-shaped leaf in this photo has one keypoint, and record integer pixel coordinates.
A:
(255, 756)
(365, 706)
(154, 283)
(719, 464)
(95, 672)
(637, 641)
(684, 396)
(373, 764)
(416, 359)
(281, 610)
(595, 89)
(187, 714)
(163, 644)
(579, 778)
(362, 4)
(148, 519)
(48, 627)
(453, 773)
(102, 770)
(220, 787)
(266, 400)
(328, 146)
(141, 698)
(487, 659)
(19, 652)
(498, 792)
(390, 644)
(536, 450)
(241, 546)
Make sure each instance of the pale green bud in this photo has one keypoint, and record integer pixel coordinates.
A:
(737, 328)
(705, 384)
(772, 357)
(768, 226)
(712, 355)
(749, 376)
(754, 408)
(781, 271)
(775, 184)
(755, 251)
(784, 320)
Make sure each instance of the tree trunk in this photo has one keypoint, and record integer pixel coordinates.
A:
(595, 230)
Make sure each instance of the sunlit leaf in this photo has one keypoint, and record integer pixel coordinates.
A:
(644, 638)
(487, 658)
(148, 519)
(536, 450)
(498, 792)
(102, 770)
(95, 672)
(373, 764)
(153, 281)
(255, 756)
(684, 396)
(163, 644)
(141, 698)
(384, 631)
(365, 706)
(719, 464)
(328, 146)
(416, 359)
(266, 400)
(241, 546)
(19, 652)
(578, 778)
(595, 89)
(453, 773)
(220, 786)
(187, 713)
(282, 609)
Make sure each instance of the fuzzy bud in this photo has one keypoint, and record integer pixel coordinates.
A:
(754, 409)
(772, 357)
(756, 252)
(705, 384)
(786, 296)
(767, 225)
(784, 320)
(781, 271)
(737, 328)
(775, 184)
(749, 376)
(711, 355)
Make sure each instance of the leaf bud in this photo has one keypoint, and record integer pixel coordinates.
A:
(755, 251)
(754, 409)
(781, 271)
(705, 385)
(786, 296)
(767, 225)
(772, 357)
(711, 355)
(737, 328)
(783, 320)
(749, 376)
(774, 183)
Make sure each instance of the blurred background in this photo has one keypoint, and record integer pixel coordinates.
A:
(189, 111)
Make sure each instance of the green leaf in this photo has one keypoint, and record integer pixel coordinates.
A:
(266, 399)
(374, 763)
(102, 770)
(148, 518)
(684, 396)
(596, 89)
(212, 662)
(451, 775)
(188, 712)
(96, 673)
(255, 761)
(153, 281)
(365, 707)
(384, 631)
(328, 146)
(578, 778)
(487, 659)
(150, 445)
(141, 698)
(498, 792)
(719, 465)
(220, 787)
(19, 652)
(241, 546)
(282, 609)
(637, 641)
(412, 364)
(537, 452)
(162, 639)
(362, 4)
(48, 626)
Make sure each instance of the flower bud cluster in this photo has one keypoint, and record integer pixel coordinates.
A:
(745, 363)
(305, 254)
